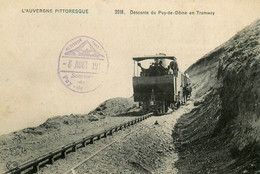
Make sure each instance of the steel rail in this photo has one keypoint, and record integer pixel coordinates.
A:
(34, 165)
(72, 170)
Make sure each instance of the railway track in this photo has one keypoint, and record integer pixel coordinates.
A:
(34, 165)
(74, 168)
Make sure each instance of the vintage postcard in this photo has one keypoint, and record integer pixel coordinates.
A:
(112, 86)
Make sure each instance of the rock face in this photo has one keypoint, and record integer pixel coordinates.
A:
(222, 135)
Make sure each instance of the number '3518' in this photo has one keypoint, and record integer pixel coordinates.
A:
(119, 11)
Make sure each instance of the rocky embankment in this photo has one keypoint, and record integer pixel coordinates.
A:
(222, 135)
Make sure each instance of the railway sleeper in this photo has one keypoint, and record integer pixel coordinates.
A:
(51, 160)
(31, 169)
(84, 143)
(111, 132)
(36, 168)
(91, 141)
(64, 154)
(98, 137)
(74, 148)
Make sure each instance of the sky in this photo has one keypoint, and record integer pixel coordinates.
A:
(31, 45)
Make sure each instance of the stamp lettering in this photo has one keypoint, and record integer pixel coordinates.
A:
(82, 64)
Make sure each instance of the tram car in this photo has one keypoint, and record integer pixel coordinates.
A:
(158, 84)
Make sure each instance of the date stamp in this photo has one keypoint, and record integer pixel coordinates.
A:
(82, 64)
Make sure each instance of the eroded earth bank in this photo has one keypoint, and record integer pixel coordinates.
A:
(222, 135)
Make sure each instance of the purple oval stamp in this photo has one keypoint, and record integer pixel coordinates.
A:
(82, 64)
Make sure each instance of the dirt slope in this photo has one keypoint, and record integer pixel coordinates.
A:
(222, 135)
(29, 143)
(116, 106)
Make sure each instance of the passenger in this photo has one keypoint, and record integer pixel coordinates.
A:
(154, 70)
(163, 71)
(145, 72)
(186, 76)
(189, 89)
(170, 71)
(157, 69)
(184, 93)
(151, 65)
(174, 67)
(179, 100)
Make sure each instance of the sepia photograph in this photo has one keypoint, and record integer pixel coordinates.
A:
(113, 86)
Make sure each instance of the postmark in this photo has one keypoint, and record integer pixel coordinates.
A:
(82, 65)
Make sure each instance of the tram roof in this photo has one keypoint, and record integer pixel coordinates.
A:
(154, 57)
